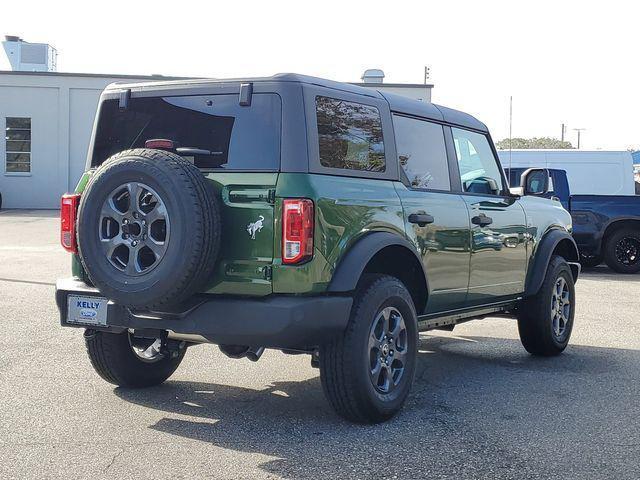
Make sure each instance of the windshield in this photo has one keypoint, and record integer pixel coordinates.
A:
(212, 131)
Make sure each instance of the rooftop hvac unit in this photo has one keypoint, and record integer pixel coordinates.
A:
(29, 57)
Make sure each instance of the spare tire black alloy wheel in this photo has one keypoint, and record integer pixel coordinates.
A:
(149, 229)
(134, 228)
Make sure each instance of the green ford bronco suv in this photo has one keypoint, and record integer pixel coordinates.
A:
(308, 216)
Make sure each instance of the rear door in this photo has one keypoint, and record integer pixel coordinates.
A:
(236, 146)
(497, 220)
(436, 218)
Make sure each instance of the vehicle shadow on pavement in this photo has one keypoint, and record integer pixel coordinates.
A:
(18, 213)
(480, 407)
(602, 272)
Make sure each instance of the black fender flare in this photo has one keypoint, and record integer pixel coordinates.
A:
(542, 257)
(350, 267)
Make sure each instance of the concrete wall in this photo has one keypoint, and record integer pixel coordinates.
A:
(61, 108)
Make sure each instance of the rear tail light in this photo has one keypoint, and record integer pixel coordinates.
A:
(68, 210)
(297, 230)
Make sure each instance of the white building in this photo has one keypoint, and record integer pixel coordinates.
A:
(48, 117)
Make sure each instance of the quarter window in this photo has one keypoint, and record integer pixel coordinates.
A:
(422, 153)
(349, 135)
(479, 170)
(18, 145)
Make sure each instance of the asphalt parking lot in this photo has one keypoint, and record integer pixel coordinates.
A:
(480, 406)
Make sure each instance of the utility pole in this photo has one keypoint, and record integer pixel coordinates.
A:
(564, 129)
(579, 130)
(427, 73)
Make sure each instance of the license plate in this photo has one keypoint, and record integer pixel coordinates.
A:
(87, 310)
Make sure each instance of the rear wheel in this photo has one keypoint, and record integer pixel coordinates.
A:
(545, 320)
(127, 362)
(367, 372)
(622, 251)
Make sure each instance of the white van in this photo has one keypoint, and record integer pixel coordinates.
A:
(589, 172)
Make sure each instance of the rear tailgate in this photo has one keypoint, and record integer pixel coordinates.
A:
(234, 141)
(246, 252)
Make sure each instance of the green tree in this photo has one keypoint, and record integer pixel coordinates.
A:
(535, 142)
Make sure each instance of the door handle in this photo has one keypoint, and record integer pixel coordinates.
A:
(421, 219)
(482, 220)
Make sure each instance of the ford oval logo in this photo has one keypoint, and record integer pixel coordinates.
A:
(88, 313)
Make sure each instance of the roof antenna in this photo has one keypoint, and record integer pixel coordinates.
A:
(510, 130)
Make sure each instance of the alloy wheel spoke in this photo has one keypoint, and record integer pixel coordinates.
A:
(158, 248)
(158, 213)
(113, 243)
(133, 266)
(390, 383)
(109, 210)
(375, 371)
(135, 191)
(396, 325)
(400, 355)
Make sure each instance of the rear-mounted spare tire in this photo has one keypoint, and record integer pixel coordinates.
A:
(148, 229)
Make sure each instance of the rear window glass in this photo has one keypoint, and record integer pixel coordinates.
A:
(349, 135)
(213, 131)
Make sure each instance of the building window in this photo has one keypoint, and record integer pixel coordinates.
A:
(350, 135)
(18, 145)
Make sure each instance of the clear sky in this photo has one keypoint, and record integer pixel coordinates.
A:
(563, 61)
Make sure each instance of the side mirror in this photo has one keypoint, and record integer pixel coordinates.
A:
(535, 181)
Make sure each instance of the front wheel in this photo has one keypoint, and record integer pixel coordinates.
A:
(127, 362)
(545, 320)
(367, 372)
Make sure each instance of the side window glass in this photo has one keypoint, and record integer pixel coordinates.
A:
(422, 153)
(479, 170)
(349, 135)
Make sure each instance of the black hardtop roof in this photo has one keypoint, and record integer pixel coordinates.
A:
(401, 104)
(398, 103)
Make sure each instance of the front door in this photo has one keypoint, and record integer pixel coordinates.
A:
(436, 218)
(498, 223)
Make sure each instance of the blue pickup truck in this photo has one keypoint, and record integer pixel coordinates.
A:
(605, 227)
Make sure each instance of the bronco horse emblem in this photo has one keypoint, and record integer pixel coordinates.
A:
(255, 227)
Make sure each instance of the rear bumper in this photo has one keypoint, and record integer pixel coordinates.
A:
(277, 321)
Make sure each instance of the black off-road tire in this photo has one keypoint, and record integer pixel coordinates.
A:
(344, 363)
(535, 318)
(112, 357)
(195, 229)
(612, 255)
